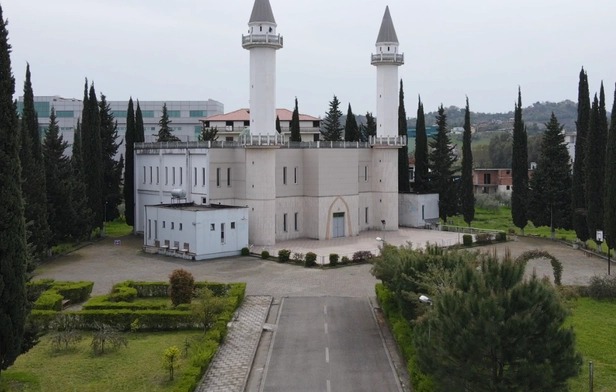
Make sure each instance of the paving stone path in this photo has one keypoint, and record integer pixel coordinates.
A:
(229, 369)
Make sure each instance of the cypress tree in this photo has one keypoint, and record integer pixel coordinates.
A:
(519, 168)
(58, 174)
(139, 127)
(208, 134)
(81, 213)
(467, 196)
(33, 175)
(403, 153)
(370, 129)
(595, 164)
(351, 130)
(129, 170)
(331, 122)
(278, 128)
(112, 170)
(295, 131)
(421, 152)
(441, 162)
(609, 216)
(13, 249)
(578, 196)
(550, 186)
(164, 133)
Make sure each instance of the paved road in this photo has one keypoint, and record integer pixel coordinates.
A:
(328, 344)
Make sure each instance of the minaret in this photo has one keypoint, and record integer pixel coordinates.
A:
(262, 41)
(387, 60)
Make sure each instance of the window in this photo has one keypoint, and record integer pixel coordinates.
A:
(212, 227)
(198, 113)
(174, 113)
(144, 174)
(228, 138)
(150, 174)
(423, 212)
(157, 175)
(246, 123)
(172, 225)
(65, 114)
(296, 223)
(203, 175)
(181, 176)
(218, 176)
(316, 124)
(195, 176)
(147, 113)
(119, 113)
(486, 178)
(232, 225)
(180, 226)
(166, 175)
(222, 233)
(295, 175)
(508, 187)
(173, 177)
(366, 217)
(284, 175)
(149, 228)
(366, 173)
(284, 222)
(228, 123)
(155, 229)
(228, 176)
(163, 224)
(176, 244)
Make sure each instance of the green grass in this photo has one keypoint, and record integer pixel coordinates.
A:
(135, 368)
(117, 228)
(594, 323)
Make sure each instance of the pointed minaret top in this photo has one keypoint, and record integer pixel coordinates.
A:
(262, 12)
(387, 33)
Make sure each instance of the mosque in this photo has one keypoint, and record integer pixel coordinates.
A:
(202, 200)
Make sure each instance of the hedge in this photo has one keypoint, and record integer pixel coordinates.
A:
(72, 291)
(104, 302)
(403, 333)
(49, 300)
(202, 354)
(122, 294)
(161, 289)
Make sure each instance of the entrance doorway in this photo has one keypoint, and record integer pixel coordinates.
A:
(338, 224)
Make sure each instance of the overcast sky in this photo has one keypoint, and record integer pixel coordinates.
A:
(191, 50)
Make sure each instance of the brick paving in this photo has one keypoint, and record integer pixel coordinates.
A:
(229, 369)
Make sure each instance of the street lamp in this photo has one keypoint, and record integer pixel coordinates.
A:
(383, 230)
(427, 300)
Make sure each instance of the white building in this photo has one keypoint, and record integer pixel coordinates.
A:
(185, 116)
(309, 189)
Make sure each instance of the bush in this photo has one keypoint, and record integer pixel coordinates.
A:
(298, 257)
(284, 255)
(104, 302)
(345, 260)
(501, 236)
(72, 291)
(467, 240)
(245, 251)
(182, 284)
(362, 255)
(202, 353)
(49, 300)
(311, 260)
(265, 255)
(483, 238)
(219, 289)
(149, 289)
(487, 202)
(333, 259)
(602, 287)
(36, 288)
(122, 294)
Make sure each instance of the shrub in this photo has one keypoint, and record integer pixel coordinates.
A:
(36, 288)
(202, 353)
(265, 255)
(487, 202)
(245, 251)
(207, 308)
(501, 236)
(362, 255)
(467, 240)
(49, 300)
(333, 259)
(219, 289)
(602, 287)
(298, 257)
(105, 336)
(284, 255)
(149, 289)
(122, 294)
(182, 283)
(65, 333)
(171, 360)
(345, 260)
(311, 260)
(483, 238)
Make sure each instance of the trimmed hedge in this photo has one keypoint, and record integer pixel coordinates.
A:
(333, 259)
(74, 291)
(311, 260)
(467, 240)
(284, 255)
(49, 300)
(202, 354)
(403, 333)
(122, 294)
(102, 302)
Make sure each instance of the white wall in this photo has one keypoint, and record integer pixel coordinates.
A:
(262, 91)
(387, 100)
(415, 209)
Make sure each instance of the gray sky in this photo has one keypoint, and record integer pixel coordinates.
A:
(191, 50)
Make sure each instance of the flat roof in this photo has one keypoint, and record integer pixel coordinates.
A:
(195, 207)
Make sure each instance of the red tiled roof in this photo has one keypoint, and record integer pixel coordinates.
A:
(244, 115)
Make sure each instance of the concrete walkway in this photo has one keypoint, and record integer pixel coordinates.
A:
(229, 370)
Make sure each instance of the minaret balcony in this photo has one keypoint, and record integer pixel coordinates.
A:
(262, 40)
(387, 58)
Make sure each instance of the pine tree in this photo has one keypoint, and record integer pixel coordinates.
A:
(129, 169)
(139, 127)
(81, 212)
(164, 133)
(13, 248)
(33, 175)
(467, 196)
(331, 122)
(278, 128)
(595, 164)
(370, 129)
(519, 168)
(208, 134)
(550, 185)
(441, 160)
(351, 130)
(496, 331)
(58, 174)
(295, 131)
(421, 152)
(404, 184)
(609, 215)
(112, 171)
(578, 196)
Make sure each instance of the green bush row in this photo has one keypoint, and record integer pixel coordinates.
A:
(161, 289)
(72, 291)
(403, 333)
(201, 355)
(49, 300)
(122, 294)
(105, 302)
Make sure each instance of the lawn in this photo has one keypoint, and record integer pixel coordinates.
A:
(135, 368)
(117, 228)
(594, 323)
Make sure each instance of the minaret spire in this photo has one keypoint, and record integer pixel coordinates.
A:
(262, 12)
(387, 33)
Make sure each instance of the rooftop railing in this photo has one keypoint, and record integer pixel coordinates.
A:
(272, 39)
(388, 58)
